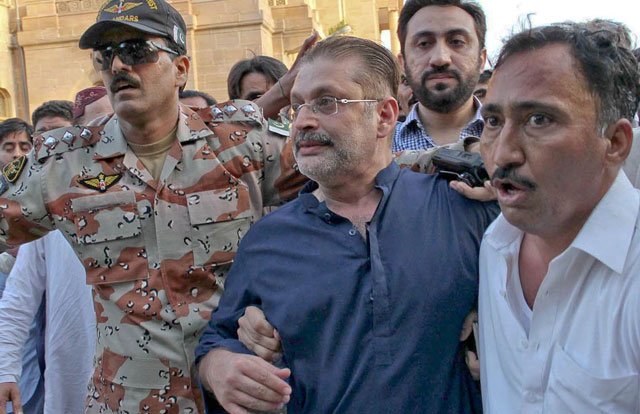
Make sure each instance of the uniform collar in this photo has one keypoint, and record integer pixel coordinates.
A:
(113, 144)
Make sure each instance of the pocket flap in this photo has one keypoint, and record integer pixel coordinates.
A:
(106, 217)
(99, 201)
(571, 385)
(214, 206)
(136, 372)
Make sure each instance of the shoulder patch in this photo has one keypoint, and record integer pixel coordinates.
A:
(63, 140)
(12, 171)
(278, 128)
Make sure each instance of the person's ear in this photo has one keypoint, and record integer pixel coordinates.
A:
(620, 138)
(401, 60)
(387, 116)
(182, 65)
(483, 59)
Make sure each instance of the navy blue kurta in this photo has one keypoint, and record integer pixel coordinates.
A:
(367, 326)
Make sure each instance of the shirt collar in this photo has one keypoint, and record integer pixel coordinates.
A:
(607, 233)
(384, 180)
(478, 115)
(413, 117)
(609, 229)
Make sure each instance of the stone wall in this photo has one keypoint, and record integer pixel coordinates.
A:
(7, 84)
(220, 32)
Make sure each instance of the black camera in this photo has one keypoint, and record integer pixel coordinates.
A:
(467, 167)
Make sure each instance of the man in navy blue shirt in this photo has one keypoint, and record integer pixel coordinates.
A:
(367, 276)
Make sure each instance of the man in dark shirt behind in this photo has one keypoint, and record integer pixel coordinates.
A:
(367, 276)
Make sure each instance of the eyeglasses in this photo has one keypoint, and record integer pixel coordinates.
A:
(131, 52)
(325, 105)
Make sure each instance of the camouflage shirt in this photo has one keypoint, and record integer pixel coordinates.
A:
(155, 251)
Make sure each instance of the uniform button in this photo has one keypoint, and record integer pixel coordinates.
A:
(530, 396)
(524, 344)
(353, 232)
(327, 217)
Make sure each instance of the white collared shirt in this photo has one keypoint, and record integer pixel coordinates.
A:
(582, 352)
(49, 265)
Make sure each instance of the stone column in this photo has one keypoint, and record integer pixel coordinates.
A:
(393, 31)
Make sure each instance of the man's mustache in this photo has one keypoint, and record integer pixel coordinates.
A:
(509, 173)
(121, 77)
(441, 71)
(319, 138)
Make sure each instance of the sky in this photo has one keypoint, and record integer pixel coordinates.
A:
(503, 16)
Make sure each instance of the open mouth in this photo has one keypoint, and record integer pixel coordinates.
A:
(510, 192)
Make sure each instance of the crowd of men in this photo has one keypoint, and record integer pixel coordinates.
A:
(291, 249)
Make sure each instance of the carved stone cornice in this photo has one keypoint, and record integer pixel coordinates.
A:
(77, 6)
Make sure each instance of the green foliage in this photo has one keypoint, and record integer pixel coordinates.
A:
(341, 25)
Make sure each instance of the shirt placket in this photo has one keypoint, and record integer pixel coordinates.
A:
(538, 348)
(382, 331)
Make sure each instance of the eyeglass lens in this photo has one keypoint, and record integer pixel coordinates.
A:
(325, 105)
(130, 52)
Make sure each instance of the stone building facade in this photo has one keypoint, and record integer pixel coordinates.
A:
(41, 60)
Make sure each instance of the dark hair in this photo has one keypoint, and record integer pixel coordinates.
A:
(485, 76)
(617, 29)
(189, 93)
(13, 126)
(62, 109)
(378, 74)
(411, 7)
(270, 67)
(609, 69)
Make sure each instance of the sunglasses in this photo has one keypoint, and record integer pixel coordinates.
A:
(131, 52)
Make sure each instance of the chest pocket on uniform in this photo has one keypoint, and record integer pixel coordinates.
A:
(106, 217)
(219, 219)
(108, 233)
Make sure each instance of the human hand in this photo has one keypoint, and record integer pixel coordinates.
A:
(473, 363)
(279, 95)
(484, 193)
(9, 392)
(244, 382)
(257, 334)
(470, 357)
(287, 80)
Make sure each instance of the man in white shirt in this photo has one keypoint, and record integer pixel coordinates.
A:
(560, 268)
(48, 267)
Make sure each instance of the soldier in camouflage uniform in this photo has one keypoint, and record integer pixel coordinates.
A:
(156, 241)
